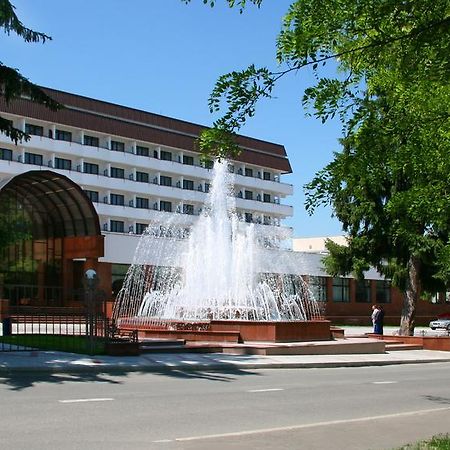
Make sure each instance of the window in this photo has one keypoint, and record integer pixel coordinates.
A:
(34, 130)
(142, 151)
(117, 199)
(92, 195)
(248, 217)
(118, 273)
(90, 168)
(209, 164)
(142, 177)
(140, 228)
(266, 198)
(117, 226)
(267, 176)
(166, 156)
(248, 195)
(248, 172)
(207, 187)
(341, 290)
(33, 158)
(188, 184)
(165, 181)
(116, 172)
(383, 291)
(318, 287)
(91, 140)
(188, 160)
(6, 154)
(142, 203)
(64, 164)
(363, 291)
(188, 209)
(117, 146)
(165, 206)
(230, 168)
(62, 135)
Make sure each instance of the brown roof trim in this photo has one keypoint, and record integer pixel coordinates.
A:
(104, 117)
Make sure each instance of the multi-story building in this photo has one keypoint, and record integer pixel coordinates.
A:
(136, 167)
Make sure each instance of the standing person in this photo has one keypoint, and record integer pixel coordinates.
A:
(374, 317)
(379, 320)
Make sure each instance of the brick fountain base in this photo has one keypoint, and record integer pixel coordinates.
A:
(237, 331)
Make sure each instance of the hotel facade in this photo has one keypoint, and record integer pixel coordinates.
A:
(94, 175)
(136, 168)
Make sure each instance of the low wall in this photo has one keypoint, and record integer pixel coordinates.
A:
(427, 342)
(301, 331)
(366, 321)
(238, 331)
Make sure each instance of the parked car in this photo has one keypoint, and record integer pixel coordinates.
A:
(440, 323)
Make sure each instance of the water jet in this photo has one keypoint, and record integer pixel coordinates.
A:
(222, 280)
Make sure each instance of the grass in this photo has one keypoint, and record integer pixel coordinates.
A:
(438, 442)
(72, 344)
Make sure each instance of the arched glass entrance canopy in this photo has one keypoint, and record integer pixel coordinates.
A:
(44, 216)
(55, 204)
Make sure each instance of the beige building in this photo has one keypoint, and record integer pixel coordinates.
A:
(315, 244)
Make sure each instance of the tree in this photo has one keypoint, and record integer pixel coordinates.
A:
(389, 184)
(13, 85)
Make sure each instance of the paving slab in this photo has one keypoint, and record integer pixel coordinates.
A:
(47, 361)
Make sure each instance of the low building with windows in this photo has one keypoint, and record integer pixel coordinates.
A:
(346, 300)
(136, 168)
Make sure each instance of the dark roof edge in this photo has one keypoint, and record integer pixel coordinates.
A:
(141, 111)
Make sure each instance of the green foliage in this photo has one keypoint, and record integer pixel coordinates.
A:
(63, 343)
(231, 3)
(438, 442)
(389, 184)
(15, 226)
(13, 84)
(241, 90)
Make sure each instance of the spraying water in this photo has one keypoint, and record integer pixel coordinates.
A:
(218, 272)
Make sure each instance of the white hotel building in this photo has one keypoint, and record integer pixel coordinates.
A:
(136, 167)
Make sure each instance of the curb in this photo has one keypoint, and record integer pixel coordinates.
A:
(207, 367)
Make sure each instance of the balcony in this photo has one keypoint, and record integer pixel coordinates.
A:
(127, 159)
(132, 214)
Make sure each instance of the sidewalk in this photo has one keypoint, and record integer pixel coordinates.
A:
(54, 362)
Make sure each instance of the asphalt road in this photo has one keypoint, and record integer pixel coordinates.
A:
(347, 408)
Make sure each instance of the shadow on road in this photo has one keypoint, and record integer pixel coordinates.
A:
(18, 380)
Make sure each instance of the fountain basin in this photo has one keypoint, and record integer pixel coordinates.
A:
(234, 330)
(276, 331)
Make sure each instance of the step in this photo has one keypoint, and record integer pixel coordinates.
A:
(163, 349)
(181, 349)
(400, 346)
(162, 342)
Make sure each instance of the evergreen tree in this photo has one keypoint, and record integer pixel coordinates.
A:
(13, 85)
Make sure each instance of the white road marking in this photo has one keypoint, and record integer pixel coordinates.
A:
(385, 382)
(312, 425)
(266, 390)
(163, 441)
(84, 400)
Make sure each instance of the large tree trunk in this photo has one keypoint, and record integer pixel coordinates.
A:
(412, 295)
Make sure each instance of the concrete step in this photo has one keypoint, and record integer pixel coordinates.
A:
(390, 347)
(207, 348)
(163, 349)
(162, 342)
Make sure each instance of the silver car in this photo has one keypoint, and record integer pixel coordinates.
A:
(440, 323)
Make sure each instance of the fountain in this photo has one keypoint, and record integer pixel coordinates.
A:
(218, 278)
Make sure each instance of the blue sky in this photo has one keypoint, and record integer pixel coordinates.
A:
(164, 56)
